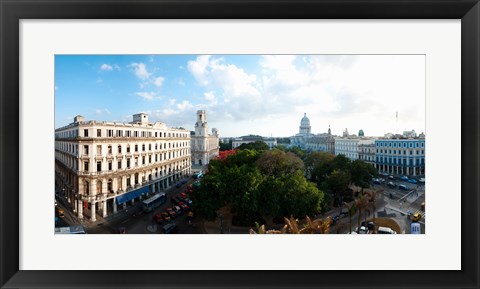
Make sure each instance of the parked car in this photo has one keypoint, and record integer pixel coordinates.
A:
(166, 217)
(158, 218)
(370, 225)
(363, 230)
(178, 185)
(177, 210)
(404, 178)
(171, 212)
(183, 195)
(422, 180)
(188, 201)
(413, 181)
(184, 182)
(183, 206)
(376, 181)
(391, 177)
(391, 185)
(175, 200)
(403, 187)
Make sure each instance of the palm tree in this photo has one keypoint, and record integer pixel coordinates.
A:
(361, 203)
(318, 226)
(373, 201)
(352, 209)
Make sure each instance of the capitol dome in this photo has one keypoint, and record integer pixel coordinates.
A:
(305, 125)
(305, 121)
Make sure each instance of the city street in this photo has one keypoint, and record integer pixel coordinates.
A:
(133, 220)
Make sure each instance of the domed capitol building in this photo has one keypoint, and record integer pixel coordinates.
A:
(304, 139)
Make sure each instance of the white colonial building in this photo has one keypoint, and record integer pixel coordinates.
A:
(270, 141)
(354, 147)
(204, 146)
(312, 142)
(106, 166)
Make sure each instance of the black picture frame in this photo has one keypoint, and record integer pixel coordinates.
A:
(12, 11)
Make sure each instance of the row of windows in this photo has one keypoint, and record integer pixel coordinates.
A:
(135, 133)
(129, 162)
(135, 148)
(404, 144)
(395, 161)
(417, 152)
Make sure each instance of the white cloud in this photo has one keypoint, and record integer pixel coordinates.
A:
(102, 111)
(106, 67)
(140, 70)
(210, 97)
(184, 105)
(147, 95)
(158, 81)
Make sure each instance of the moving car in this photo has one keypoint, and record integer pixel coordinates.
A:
(403, 187)
(385, 230)
(169, 228)
(416, 217)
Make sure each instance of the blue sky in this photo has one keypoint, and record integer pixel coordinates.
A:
(246, 94)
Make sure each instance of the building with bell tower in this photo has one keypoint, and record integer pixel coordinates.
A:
(204, 146)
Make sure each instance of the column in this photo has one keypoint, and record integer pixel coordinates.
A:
(80, 208)
(105, 207)
(92, 210)
(93, 195)
(104, 197)
(115, 204)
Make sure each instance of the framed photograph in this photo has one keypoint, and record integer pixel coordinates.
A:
(124, 122)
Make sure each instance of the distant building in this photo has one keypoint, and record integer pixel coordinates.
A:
(400, 156)
(366, 151)
(352, 146)
(204, 146)
(271, 142)
(312, 142)
(410, 133)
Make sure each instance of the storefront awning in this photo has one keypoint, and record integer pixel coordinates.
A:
(132, 195)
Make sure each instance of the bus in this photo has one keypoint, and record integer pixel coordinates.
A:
(70, 230)
(153, 202)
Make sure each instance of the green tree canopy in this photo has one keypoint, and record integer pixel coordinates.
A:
(257, 145)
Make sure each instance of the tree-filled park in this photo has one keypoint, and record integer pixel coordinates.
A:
(258, 185)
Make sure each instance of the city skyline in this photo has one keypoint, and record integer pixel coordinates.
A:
(247, 94)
